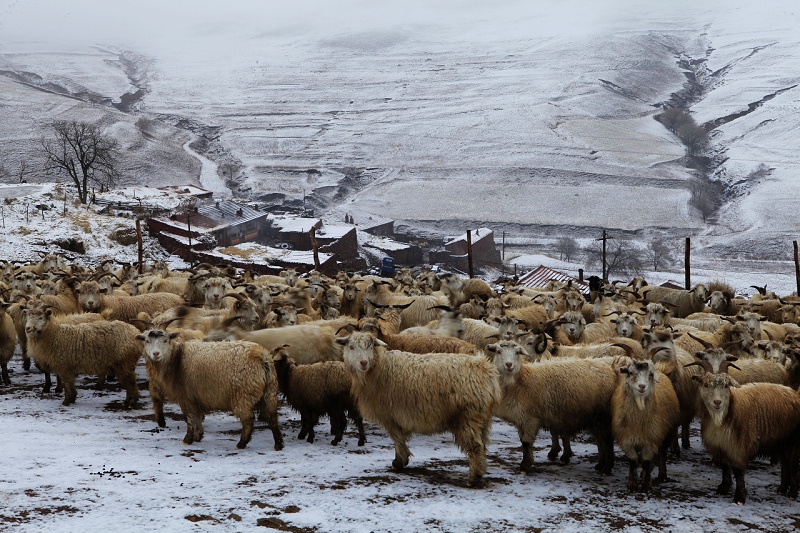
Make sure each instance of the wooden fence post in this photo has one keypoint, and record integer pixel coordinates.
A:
(687, 264)
(469, 253)
(139, 244)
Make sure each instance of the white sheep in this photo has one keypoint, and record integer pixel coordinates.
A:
(201, 377)
(97, 348)
(644, 416)
(740, 422)
(409, 393)
(564, 396)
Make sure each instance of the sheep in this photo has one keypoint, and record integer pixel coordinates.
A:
(408, 393)
(308, 343)
(562, 395)
(214, 376)
(611, 348)
(760, 328)
(644, 415)
(534, 315)
(735, 338)
(460, 291)
(316, 390)
(746, 370)
(89, 348)
(739, 422)
(475, 308)
(351, 301)
(771, 350)
(660, 344)
(684, 302)
(449, 324)
(574, 326)
(386, 323)
(92, 299)
(723, 302)
(8, 341)
(626, 325)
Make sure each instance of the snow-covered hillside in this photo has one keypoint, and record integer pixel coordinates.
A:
(521, 116)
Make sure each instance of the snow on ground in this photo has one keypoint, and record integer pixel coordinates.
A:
(94, 466)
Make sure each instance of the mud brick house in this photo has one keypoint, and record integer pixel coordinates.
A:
(484, 251)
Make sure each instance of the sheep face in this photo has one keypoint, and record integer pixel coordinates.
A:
(717, 358)
(753, 321)
(534, 345)
(214, 290)
(741, 335)
(718, 302)
(573, 324)
(548, 302)
(159, 268)
(89, 296)
(26, 282)
(330, 298)
(715, 392)
(262, 298)
(771, 350)
(640, 380)
(656, 315)
(360, 352)
(350, 292)
(290, 275)
(107, 283)
(157, 345)
(625, 325)
(452, 282)
(247, 311)
(36, 320)
(700, 293)
(495, 307)
(507, 357)
(637, 283)
(53, 262)
(286, 316)
(660, 341)
(790, 314)
(573, 300)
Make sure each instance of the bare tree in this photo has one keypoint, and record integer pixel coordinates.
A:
(566, 246)
(694, 137)
(706, 197)
(622, 257)
(23, 169)
(658, 254)
(84, 153)
(673, 118)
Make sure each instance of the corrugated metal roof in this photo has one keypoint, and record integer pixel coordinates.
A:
(542, 275)
(226, 213)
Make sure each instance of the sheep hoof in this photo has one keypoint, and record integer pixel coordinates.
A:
(241, 445)
(26, 364)
(398, 464)
(476, 483)
(553, 455)
(336, 441)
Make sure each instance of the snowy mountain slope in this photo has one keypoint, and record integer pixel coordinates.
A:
(520, 102)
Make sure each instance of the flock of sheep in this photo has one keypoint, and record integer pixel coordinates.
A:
(429, 354)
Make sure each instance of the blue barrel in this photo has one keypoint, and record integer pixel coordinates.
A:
(387, 267)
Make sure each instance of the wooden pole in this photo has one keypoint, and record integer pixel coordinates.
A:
(189, 226)
(469, 253)
(687, 263)
(313, 234)
(605, 264)
(796, 267)
(139, 244)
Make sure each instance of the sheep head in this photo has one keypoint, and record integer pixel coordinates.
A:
(640, 380)
(157, 344)
(715, 392)
(360, 352)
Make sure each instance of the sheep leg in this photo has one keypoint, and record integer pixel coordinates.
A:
(362, 436)
(6, 378)
(470, 440)
(48, 383)
(338, 425)
(740, 495)
(685, 442)
(401, 451)
(128, 381)
(59, 384)
(605, 451)
(725, 486)
(555, 447)
(675, 440)
(567, 455)
(26, 361)
(101, 382)
(269, 411)
(633, 482)
(647, 471)
(70, 392)
(189, 437)
(157, 397)
(246, 417)
(785, 472)
(662, 461)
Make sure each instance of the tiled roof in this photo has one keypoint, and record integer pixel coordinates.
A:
(542, 275)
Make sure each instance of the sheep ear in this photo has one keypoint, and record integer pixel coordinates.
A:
(697, 378)
(494, 348)
(656, 377)
(342, 340)
(623, 370)
(174, 335)
(140, 337)
(103, 290)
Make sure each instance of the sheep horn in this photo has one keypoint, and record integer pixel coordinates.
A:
(442, 307)
(655, 351)
(724, 365)
(761, 290)
(628, 350)
(238, 295)
(146, 323)
(373, 304)
(704, 364)
(352, 328)
(707, 345)
(230, 320)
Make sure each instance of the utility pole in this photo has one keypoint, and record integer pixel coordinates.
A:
(469, 253)
(687, 263)
(796, 267)
(604, 238)
(139, 244)
(313, 234)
